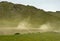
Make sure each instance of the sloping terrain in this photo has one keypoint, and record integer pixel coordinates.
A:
(27, 17)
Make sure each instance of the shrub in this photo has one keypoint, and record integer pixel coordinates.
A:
(17, 33)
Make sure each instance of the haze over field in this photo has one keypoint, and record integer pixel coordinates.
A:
(21, 17)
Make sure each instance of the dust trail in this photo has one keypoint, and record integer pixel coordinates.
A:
(26, 26)
(22, 25)
(45, 27)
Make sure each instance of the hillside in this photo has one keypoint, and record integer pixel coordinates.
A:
(11, 15)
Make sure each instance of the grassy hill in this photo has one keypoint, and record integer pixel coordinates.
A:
(12, 14)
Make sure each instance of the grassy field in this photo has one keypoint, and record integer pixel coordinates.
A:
(31, 37)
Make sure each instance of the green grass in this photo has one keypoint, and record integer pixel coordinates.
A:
(32, 37)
